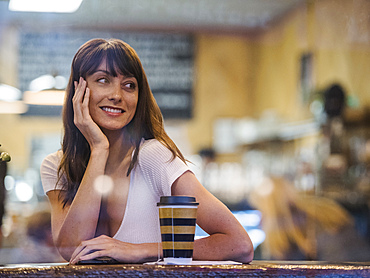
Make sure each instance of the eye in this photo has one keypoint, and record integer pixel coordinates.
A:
(130, 85)
(102, 80)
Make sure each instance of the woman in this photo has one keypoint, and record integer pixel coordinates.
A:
(114, 128)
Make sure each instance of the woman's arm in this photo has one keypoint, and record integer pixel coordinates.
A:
(124, 252)
(228, 239)
(78, 221)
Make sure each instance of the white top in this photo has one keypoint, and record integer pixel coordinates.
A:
(151, 178)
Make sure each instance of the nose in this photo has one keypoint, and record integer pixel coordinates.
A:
(116, 93)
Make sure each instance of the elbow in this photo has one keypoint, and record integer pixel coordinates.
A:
(247, 255)
(244, 253)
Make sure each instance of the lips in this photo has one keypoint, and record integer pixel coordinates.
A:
(112, 110)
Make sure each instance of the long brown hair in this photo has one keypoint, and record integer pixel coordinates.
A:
(147, 122)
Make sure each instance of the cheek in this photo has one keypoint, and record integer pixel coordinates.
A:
(92, 103)
(132, 102)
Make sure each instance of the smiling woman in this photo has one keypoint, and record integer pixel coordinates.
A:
(114, 128)
(114, 97)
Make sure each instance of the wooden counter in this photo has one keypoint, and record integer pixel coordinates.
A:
(255, 269)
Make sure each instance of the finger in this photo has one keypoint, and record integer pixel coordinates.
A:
(80, 249)
(85, 104)
(78, 97)
(80, 87)
(77, 252)
(91, 251)
(102, 246)
(94, 255)
(89, 245)
(83, 252)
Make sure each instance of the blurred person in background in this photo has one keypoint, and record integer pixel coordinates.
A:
(305, 227)
(335, 161)
(334, 101)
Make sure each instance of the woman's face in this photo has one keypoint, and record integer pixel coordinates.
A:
(113, 100)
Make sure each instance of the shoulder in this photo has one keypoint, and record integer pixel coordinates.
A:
(49, 166)
(154, 148)
(151, 144)
(51, 161)
(159, 167)
(49, 171)
(154, 154)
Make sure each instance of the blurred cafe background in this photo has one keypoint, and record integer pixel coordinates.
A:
(268, 99)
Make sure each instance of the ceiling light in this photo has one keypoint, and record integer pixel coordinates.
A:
(51, 6)
(10, 100)
(47, 81)
(9, 93)
(46, 90)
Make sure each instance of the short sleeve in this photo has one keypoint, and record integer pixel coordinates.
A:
(158, 166)
(49, 172)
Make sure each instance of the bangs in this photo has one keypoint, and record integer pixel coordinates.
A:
(118, 59)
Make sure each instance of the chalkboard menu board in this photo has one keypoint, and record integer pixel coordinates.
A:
(166, 58)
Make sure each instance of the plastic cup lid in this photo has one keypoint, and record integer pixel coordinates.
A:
(177, 200)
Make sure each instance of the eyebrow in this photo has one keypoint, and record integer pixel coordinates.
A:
(109, 73)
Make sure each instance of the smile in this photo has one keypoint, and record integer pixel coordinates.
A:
(112, 110)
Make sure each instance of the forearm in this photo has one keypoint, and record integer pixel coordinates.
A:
(223, 247)
(149, 252)
(121, 251)
(81, 220)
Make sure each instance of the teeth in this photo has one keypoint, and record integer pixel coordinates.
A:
(112, 110)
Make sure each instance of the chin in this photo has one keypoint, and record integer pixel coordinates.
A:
(111, 128)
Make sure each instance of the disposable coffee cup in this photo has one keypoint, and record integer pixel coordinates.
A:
(177, 217)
